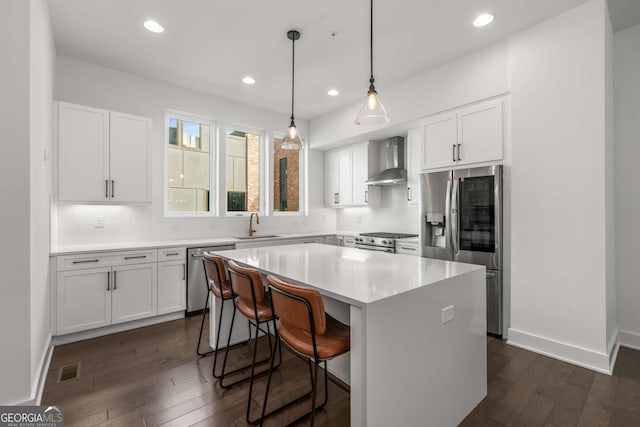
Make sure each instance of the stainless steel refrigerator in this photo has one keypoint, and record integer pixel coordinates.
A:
(461, 220)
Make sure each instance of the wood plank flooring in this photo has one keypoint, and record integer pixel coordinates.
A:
(152, 377)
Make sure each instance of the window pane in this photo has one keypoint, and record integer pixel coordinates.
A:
(286, 176)
(189, 161)
(243, 171)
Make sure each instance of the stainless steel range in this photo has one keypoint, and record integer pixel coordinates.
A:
(382, 242)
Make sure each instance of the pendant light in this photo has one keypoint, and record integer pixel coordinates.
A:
(372, 112)
(292, 139)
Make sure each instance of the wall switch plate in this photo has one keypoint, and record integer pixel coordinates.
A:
(447, 314)
(99, 222)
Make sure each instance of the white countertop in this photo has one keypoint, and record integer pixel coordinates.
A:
(189, 243)
(350, 275)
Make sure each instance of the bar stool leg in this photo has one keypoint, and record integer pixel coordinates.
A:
(204, 314)
(215, 357)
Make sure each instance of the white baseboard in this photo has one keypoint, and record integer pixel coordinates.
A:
(600, 362)
(629, 339)
(112, 329)
(38, 384)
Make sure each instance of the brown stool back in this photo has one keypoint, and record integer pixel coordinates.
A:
(308, 330)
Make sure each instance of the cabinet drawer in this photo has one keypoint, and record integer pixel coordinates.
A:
(171, 254)
(106, 259)
(406, 248)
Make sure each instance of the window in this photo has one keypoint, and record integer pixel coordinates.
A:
(286, 178)
(190, 175)
(243, 171)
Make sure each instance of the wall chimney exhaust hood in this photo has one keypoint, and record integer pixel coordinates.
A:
(391, 162)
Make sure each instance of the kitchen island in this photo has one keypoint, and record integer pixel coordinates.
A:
(418, 328)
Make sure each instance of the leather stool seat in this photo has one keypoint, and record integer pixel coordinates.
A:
(334, 341)
(263, 308)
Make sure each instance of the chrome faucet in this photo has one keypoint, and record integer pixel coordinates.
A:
(251, 229)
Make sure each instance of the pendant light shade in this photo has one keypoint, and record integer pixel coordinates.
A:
(292, 140)
(371, 112)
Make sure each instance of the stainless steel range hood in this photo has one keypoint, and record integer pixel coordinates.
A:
(391, 162)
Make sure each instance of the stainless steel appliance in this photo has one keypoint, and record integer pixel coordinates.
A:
(382, 242)
(391, 163)
(196, 280)
(461, 220)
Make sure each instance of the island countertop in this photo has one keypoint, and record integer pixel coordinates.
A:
(355, 276)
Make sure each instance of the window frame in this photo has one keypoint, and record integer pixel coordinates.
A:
(214, 172)
(302, 179)
(264, 195)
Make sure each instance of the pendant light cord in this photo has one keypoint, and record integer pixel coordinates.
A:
(371, 87)
(293, 72)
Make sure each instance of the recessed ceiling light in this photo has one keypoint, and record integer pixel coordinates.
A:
(483, 19)
(248, 80)
(153, 26)
(333, 92)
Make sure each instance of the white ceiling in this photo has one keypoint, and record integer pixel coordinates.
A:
(209, 45)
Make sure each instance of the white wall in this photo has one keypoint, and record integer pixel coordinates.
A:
(14, 186)
(42, 52)
(480, 75)
(88, 84)
(627, 207)
(558, 195)
(25, 108)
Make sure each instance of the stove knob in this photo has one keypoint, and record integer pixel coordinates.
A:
(371, 241)
(384, 242)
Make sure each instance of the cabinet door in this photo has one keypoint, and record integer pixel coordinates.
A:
(130, 165)
(133, 292)
(359, 174)
(439, 142)
(345, 178)
(331, 178)
(171, 286)
(480, 133)
(84, 300)
(414, 156)
(83, 153)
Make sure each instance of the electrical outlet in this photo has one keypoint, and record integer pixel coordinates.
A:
(175, 228)
(447, 314)
(99, 222)
(359, 219)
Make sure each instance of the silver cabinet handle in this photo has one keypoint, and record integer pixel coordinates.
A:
(459, 152)
(106, 188)
(453, 152)
(366, 196)
(113, 189)
(184, 271)
(409, 194)
(407, 249)
(108, 280)
(135, 257)
(115, 286)
(85, 262)
(173, 254)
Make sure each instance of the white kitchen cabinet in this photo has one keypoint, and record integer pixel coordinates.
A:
(133, 292)
(102, 156)
(171, 286)
(346, 171)
(415, 141)
(83, 299)
(408, 246)
(316, 239)
(464, 136)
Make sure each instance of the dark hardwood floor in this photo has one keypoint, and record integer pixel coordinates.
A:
(151, 376)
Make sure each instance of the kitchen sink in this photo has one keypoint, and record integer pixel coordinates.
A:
(256, 237)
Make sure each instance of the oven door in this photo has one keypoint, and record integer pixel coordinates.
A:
(376, 248)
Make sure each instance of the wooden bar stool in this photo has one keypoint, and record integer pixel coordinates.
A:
(306, 328)
(252, 302)
(218, 284)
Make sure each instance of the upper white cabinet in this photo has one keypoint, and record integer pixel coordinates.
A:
(415, 139)
(102, 156)
(346, 171)
(468, 135)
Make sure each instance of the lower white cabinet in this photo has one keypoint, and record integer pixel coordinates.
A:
(133, 292)
(83, 299)
(171, 286)
(95, 297)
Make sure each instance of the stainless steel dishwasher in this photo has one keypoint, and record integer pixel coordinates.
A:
(196, 280)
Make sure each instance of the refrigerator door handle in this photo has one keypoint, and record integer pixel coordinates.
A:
(447, 220)
(454, 217)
